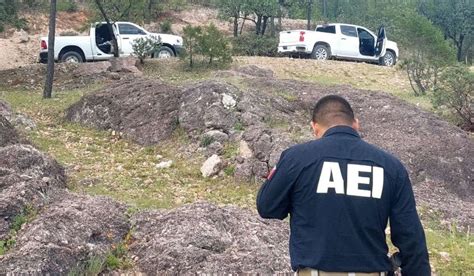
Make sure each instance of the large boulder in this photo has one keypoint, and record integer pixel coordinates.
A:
(71, 231)
(204, 238)
(209, 105)
(8, 134)
(28, 179)
(145, 111)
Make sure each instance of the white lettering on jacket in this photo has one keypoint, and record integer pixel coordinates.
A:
(331, 178)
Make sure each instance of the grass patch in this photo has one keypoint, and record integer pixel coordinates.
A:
(27, 214)
(175, 71)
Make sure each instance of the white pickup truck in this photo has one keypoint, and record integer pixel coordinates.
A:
(343, 41)
(97, 45)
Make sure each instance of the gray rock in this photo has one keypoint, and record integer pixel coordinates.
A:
(125, 65)
(146, 111)
(251, 171)
(244, 150)
(259, 140)
(215, 148)
(212, 166)
(8, 134)
(255, 71)
(28, 178)
(5, 110)
(71, 231)
(204, 238)
(202, 107)
(217, 135)
(23, 121)
(164, 164)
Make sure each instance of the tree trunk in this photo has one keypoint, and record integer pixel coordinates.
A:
(325, 9)
(308, 14)
(258, 24)
(48, 86)
(280, 15)
(272, 26)
(459, 46)
(110, 28)
(264, 25)
(236, 25)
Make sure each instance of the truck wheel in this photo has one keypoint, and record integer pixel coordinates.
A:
(164, 52)
(388, 59)
(321, 52)
(72, 57)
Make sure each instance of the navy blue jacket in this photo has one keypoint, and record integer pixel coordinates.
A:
(340, 193)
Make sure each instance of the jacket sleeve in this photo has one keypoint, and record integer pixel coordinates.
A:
(274, 197)
(406, 230)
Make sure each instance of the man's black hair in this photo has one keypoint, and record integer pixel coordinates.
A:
(332, 110)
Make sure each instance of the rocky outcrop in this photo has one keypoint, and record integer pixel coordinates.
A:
(71, 231)
(204, 238)
(8, 134)
(145, 111)
(28, 179)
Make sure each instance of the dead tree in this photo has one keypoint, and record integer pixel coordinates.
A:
(48, 86)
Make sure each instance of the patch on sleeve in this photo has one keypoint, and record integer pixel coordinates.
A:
(271, 173)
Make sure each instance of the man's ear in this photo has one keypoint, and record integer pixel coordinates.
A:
(315, 128)
(356, 124)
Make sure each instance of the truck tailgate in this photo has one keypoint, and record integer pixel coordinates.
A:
(291, 37)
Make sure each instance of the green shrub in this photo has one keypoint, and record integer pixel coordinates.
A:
(145, 46)
(67, 6)
(2, 28)
(206, 141)
(214, 45)
(207, 42)
(166, 27)
(191, 37)
(455, 91)
(254, 45)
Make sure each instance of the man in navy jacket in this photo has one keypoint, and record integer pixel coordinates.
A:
(340, 193)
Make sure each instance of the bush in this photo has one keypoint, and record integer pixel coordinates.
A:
(191, 37)
(207, 42)
(455, 91)
(67, 6)
(254, 45)
(214, 45)
(145, 46)
(165, 27)
(2, 28)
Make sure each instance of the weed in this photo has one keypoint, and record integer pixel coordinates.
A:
(239, 126)
(230, 150)
(206, 141)
(229, 170)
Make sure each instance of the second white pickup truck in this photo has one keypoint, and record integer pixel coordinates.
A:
(97, 45)
(343, 41)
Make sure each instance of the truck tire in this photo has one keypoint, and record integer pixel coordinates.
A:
(164, 52)
(72, 57)
(321, 52)
(389, 59)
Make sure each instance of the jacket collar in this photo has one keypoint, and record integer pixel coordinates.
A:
(341, 130)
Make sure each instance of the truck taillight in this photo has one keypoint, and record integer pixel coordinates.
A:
(43, 45)
(302, 36)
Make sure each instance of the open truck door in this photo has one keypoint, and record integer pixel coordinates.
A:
(381, 43)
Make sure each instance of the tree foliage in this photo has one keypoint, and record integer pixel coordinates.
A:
(455, 19)
(455, 91)
(145, 46)
(208, 42)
